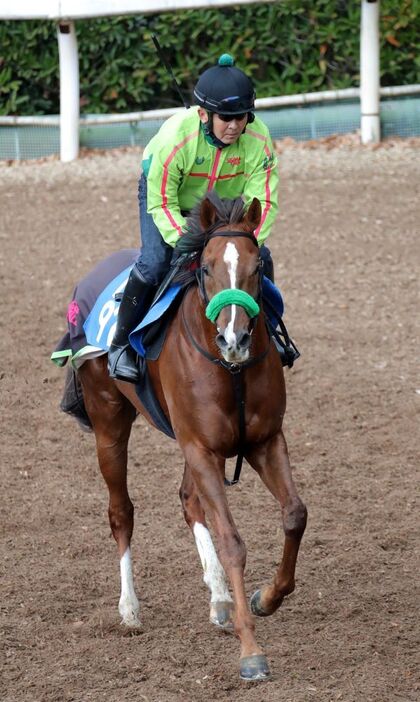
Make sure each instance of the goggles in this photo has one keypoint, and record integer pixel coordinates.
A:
(229, 118)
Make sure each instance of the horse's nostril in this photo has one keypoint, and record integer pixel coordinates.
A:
(221, 341)
(244, 341)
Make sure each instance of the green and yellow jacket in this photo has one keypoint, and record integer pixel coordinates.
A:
(181, 165)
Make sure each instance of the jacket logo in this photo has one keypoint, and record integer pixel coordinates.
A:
(234, 160)
(268, 162)
(199, 160)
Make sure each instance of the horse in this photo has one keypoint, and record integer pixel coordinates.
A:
(219, 330)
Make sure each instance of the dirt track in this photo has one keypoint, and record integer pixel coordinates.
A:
(346, 254)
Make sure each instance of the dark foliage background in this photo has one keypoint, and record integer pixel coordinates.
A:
(288, 47)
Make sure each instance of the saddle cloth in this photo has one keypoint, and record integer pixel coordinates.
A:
(91, 323)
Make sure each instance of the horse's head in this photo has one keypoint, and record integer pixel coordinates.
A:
(230, 272)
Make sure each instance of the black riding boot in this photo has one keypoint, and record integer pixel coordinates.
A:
(122, 359)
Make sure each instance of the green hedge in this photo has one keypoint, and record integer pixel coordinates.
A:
(288, 47)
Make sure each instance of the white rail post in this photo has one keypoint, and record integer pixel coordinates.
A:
(370, 128)
(69, 90)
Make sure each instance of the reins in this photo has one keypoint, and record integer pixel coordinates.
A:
(234, 369)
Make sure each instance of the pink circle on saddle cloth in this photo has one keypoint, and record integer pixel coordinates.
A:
(72, 312)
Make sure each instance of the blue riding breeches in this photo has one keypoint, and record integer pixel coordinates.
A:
(155, 254)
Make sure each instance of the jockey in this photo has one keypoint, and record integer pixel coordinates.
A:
(218, 144)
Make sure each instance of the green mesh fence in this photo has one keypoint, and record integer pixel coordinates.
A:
(399, 117)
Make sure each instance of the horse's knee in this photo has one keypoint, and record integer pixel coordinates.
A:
(294, 519)
(233, 550)
(191, 505)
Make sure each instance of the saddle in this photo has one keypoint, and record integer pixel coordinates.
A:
(148, 339)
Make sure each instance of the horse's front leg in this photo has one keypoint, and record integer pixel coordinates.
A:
(208, 474)
(271, 461)
(112, 416)
(221, 604)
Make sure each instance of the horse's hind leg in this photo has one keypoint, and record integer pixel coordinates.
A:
(271, 461)
(221, 604)
(112, 416)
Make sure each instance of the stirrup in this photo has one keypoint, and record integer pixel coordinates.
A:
(288, 353)
(122, 364)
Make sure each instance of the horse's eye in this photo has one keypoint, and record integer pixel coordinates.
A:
(258, 268)
(205, 270)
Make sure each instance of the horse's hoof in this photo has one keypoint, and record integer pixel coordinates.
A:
(256, 607)
(221, 615)
(131, 622)
(254, 668)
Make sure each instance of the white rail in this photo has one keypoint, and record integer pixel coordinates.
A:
(78, 9)
(262, 103)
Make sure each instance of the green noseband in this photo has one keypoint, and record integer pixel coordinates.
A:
(233, 296)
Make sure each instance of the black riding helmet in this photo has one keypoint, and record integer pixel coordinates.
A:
(225, 89)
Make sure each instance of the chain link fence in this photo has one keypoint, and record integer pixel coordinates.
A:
(399, 117)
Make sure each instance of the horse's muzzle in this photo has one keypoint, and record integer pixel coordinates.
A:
(234, 347)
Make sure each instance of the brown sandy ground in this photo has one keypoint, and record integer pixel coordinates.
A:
(347, 253)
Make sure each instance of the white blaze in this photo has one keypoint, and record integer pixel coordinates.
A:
(231, 258)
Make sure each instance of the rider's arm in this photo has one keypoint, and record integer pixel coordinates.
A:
(262, 183)
(163, 181)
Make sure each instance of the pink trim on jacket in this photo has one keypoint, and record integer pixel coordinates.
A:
(165, 179)
(267, 195)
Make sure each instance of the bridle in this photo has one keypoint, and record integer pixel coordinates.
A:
(235, 369)
(231, 234)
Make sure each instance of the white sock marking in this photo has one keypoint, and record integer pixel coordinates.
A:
(129, 604)
(231, 258)
(214, 574)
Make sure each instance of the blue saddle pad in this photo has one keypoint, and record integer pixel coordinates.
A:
(100, 325)
(155, 313)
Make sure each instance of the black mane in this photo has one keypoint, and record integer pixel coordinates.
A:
(228, 212)
(194, 239)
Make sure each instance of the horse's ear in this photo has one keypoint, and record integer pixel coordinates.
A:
(208, 214)
(253, 215)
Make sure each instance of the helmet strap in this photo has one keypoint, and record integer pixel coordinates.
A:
(210, 135)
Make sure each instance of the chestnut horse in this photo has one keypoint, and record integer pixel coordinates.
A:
(192, 382)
